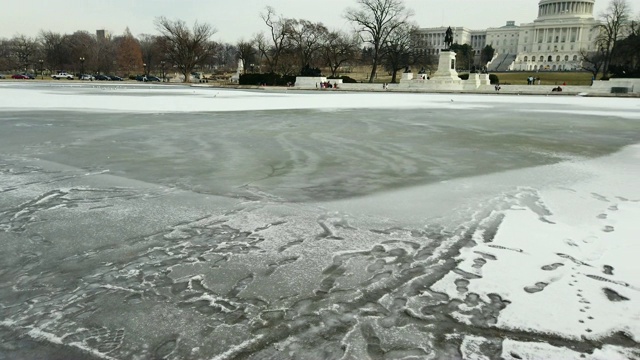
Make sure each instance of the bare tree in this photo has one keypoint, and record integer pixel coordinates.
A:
(225, 56)
(307, 38)
(375, 21)
(593, 61)
(272, 48)
(246, 53)
(103, 56)
(56, 51)
(397, 51)
(81, 46)
(625, 61)
(151, 48)
(185, 48)
(340, 48)
(612, 28)
(24, 49)
(6, 62)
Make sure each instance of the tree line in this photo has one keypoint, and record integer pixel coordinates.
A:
(383, 37)
(617, 45)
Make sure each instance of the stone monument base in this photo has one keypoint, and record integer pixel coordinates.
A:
(311, 82)
(445, 78)
(446, 73)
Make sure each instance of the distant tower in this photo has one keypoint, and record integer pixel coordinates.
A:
(103, 35)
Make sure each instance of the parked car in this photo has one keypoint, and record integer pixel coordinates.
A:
(103, 77)
(2, 76)
(87, 77)
(115, 78)
(30, 76)
(62, 75)
(153, 78)
(19, 76)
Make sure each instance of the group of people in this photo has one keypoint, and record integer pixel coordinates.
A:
(327, 85)
(532, 81)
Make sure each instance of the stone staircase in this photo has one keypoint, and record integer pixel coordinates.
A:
(501, 62)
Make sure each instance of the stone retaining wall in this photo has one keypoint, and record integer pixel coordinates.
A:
(599, 88)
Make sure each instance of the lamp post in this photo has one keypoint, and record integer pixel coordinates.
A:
(81, 67)
(41, 68)
(162, 67)
(144, 71)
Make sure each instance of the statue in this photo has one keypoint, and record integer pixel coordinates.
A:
(448, 39)
(309, 71)
(240, 66)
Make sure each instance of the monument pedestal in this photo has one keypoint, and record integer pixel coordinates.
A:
(446, 73)
(445, 78)
(314, 82)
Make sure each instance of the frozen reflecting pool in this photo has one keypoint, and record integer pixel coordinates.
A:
(151, 222)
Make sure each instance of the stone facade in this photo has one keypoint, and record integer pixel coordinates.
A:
(552, 42)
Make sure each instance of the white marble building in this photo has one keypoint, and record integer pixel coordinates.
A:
(551, 42)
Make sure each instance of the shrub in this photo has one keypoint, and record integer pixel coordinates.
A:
(269, 79)
(493, 79)
(464, 76)
(619, 90)
(348, 80)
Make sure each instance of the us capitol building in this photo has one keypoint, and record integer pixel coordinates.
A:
(552, 42)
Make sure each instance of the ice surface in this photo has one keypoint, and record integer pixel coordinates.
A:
(177, 222)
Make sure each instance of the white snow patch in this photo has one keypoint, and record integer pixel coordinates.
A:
(544, 351)
(559, 272)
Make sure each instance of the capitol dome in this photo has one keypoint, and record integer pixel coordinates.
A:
(564, 9)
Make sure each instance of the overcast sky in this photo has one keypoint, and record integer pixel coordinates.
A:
(236, 19)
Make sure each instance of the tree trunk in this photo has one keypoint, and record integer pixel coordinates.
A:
(334, 70)
(393, 76)
(373, 70)
(186, 74)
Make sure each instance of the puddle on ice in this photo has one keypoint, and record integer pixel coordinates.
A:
(316, 234)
